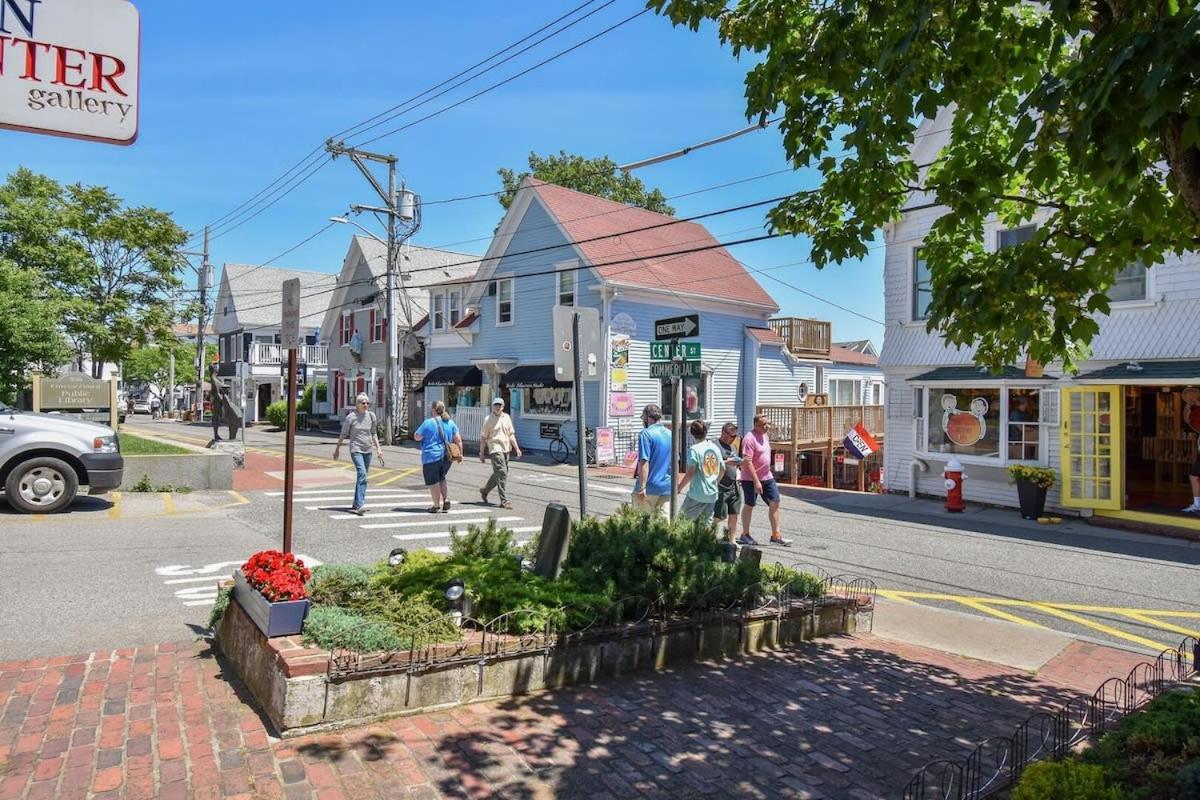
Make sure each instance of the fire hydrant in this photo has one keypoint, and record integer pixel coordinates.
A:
(954, 477)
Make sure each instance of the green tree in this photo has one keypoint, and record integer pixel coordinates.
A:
(598, 176)
(151, 364)
(113, 267)
(1081, 112)
(28, 328)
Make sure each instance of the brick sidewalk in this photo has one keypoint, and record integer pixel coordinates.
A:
(839, 718)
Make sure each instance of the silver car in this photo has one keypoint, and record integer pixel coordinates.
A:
(45, 458)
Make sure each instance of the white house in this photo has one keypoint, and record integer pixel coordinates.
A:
(1121, 432)
(247, 317)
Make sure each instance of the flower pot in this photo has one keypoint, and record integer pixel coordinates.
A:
(273, 619)
(1033, 499)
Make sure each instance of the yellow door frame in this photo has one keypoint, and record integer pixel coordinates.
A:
(1086, 447)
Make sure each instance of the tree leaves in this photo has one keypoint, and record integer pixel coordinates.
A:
(596, 176)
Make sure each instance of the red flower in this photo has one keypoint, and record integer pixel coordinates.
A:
(279, 577)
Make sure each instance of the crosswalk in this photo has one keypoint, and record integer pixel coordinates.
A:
(403, 514)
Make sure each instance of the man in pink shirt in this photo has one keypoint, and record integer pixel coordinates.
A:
(758, 481)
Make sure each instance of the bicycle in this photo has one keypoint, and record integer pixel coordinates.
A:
(562, 447)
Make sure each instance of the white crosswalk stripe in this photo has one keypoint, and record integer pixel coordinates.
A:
(416, 537)
(473, 521)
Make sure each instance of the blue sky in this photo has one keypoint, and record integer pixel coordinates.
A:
(234, 93)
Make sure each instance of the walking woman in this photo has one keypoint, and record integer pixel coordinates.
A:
(441, 446)
(359, 428)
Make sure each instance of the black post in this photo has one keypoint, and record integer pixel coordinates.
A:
(289, 464)
(580, 418)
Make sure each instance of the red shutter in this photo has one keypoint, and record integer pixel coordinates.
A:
(372, 326)
(337, 391)
(383, 337)
(379, 392)
(360, 387)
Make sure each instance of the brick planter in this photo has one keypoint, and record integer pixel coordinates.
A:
(301, 690)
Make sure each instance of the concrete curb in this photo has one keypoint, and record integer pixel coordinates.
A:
(199, 469)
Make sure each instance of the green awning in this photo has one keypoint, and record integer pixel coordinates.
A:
(1146, 371)
(974, 372)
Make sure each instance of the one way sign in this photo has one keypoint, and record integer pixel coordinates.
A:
(677, 327)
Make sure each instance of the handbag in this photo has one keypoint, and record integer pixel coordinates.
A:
(452, 451)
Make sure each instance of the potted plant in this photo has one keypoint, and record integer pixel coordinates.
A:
(1032, 485)
(270, 589)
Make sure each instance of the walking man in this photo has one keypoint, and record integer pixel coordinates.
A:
(704, 467)
(497, 439)
(359, 427)
(155, 407)
(758, 481)
(652, 484)
(729, 498)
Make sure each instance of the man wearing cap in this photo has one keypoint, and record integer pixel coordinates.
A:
(497, 439)
(652, 478)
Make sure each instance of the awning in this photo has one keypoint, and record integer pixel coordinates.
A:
(1146, 372)
(975, 373)
(532, 376)
(465, 375)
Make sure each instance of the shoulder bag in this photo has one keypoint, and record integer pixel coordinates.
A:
(452, 452)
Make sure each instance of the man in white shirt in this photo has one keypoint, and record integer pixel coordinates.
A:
(497, 439)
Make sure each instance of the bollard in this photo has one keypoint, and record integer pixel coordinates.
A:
(555, 537)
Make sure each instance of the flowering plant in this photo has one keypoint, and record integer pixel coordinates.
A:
(1041, 477)
(279, 577)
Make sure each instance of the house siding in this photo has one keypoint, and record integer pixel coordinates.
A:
(780, 376)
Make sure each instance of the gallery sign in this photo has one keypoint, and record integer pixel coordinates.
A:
(70, 68)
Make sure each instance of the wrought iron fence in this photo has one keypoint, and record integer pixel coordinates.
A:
(999, 762)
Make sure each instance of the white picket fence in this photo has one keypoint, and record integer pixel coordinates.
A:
(470, 422)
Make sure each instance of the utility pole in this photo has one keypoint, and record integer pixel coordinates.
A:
(205, 272)
(170, 404)
(400, 208)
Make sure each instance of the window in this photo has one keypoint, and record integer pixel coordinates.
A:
(845, 392)
(877, 394)
(964, 421)
(347, 328)
(566, 287)
(919, 420)
(439, 312)
(454, 302)
(1003, 424)
(803, 390)
(549, 401)
(922, 294)
(1130, 284)
(504, 301)
(1015, 236)
(379, 394)
(1024, 427)
(695, 399)
(378, 326)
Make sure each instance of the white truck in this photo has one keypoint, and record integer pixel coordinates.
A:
(46, 458)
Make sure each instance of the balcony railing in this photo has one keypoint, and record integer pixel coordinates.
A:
(804, 337)
(315, 355)
(812, 427)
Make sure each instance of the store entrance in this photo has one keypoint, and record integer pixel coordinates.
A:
(1160, 447)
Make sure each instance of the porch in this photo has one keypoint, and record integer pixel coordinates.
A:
(315, 355)
(805, 338)
(796, 430)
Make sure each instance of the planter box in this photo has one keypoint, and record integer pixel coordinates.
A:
(300, 690)
(273, 619)
(1032, 499)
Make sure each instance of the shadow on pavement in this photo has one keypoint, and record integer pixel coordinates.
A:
(84, 504)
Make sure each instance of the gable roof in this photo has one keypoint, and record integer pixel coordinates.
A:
(255, 294)
(859, 346)
(709, 273)
(844, 355)
(766, 336)
(422, 267)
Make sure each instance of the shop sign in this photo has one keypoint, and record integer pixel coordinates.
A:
(70, 68)
(77, 391)
(606, 452)
(620, 404)
(550, 430)
(618, 372)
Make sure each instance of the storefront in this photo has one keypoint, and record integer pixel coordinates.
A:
(458, 386)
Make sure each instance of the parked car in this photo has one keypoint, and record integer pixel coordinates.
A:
(45, 458)
(141, 406)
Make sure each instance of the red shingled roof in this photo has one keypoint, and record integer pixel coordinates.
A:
(466, 321)
(712, 273)
(766, 336)
(842, 355)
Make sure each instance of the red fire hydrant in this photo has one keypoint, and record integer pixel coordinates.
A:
(954, 477)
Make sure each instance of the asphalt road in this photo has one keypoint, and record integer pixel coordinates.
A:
(95, 578)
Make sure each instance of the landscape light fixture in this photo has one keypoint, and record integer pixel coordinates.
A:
(396, 557)
(460, 604)
(455, 590)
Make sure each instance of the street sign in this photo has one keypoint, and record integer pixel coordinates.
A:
(677, 327)
(669, 370)
(670, 349)
(591, 346)
(289, 332)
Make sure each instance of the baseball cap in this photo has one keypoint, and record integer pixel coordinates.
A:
(498, 401)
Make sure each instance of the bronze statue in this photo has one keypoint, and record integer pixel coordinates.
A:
(224, 410)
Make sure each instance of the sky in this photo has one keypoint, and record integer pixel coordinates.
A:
(234, 94)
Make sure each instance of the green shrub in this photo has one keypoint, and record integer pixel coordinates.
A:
(339, 584)
(484, 543)
(801, 584)
(415, 619)
(1064, 780)
(1150, 751)
(218, 609)
(277, 413)
(329, 627)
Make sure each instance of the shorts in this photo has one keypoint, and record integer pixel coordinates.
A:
(1195, 470)
(435, 471)
(697, 509)
(653, 504)
(729, 501)
(770, 492)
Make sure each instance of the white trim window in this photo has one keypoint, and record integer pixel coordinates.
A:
(377, 321)
(454, 306)
(1001, 423)
(505, 302)
(876, 394)
(347, 328)
(555, 403)
(568, 286)
(922, 293)
(1011, 237)
(437, 312)
(845, 391)
(1131, 284)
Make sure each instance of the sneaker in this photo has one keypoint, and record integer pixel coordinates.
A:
(747, 541)
(360, 510)
(446, 507)
(1192, 509)
(484, 497)
(506, 504)
(779, 540)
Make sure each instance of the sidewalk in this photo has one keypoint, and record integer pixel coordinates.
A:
(848, 717)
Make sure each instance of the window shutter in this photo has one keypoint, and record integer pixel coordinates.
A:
(384, 335)
(1048, 407)
(372, 323)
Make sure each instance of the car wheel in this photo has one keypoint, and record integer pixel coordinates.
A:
(41, 485)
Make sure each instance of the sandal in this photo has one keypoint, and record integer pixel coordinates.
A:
(446, 507)
(433, 509)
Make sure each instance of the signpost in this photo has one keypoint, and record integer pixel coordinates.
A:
(673, 360)
(578, 350)
(289, 338)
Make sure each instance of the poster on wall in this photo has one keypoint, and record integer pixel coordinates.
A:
(623, 323)
(605, 446)
(619, 363)
(620, 404)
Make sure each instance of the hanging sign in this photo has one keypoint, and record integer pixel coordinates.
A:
(70, 68)
(606, 452)
(620, 404)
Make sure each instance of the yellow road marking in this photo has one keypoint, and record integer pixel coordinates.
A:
(995, 612)
(241, 499)
(168, 502)
(400, 474)
(1005, 601)
(115, 511)
(1157, 623)
(892, 595)
(1105, 629)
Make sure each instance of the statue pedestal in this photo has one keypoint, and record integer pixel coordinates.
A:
(233, 448)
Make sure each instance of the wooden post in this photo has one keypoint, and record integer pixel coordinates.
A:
(795, 440)
(36, 380)
(829, 446)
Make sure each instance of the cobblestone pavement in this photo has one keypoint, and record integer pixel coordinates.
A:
(849, 717)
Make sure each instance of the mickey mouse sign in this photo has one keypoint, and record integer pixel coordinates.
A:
(964, 428)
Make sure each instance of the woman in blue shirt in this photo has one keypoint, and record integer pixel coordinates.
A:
(433, 435)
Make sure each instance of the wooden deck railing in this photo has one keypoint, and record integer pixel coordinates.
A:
(804, 337)
(797, 428)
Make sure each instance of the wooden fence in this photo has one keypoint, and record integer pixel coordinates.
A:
(798, 428)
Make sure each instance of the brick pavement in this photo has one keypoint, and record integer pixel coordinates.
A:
(850, 717)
